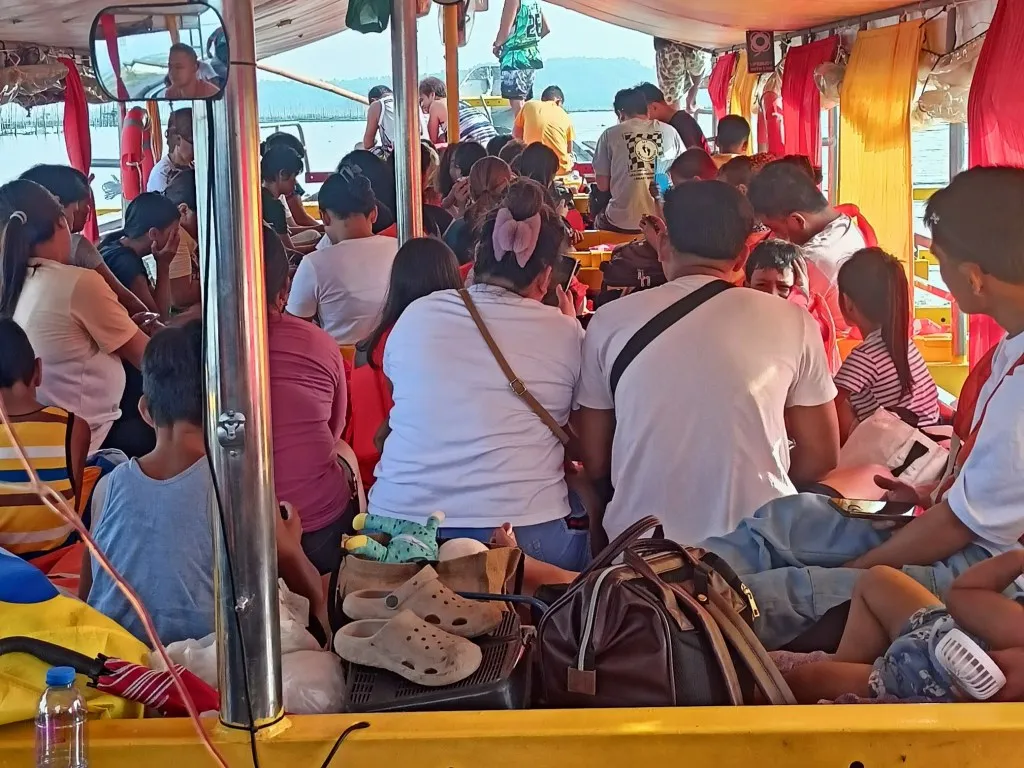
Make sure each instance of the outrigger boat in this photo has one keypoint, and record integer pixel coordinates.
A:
(227, 160)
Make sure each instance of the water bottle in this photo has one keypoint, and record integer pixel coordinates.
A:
(60, 722)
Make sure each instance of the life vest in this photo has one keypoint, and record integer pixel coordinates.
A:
(370, 404)
(136, 153)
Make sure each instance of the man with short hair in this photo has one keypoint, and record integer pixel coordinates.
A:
(698, 428)
(733, 138)
(547, 122)
(626, 160)
(791, 205)
(686, 126)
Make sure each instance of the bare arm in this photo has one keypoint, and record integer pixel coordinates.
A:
(372, 125)
(295, 568)
(604, 183)
(815, 431)
(132, 351)
(434, 123)
(128, 300)
(977, 604)
(545, 30)
(597, 431)
(299, 214)
(847, 418)
(81, 435)
(508, 18)
(927, 539)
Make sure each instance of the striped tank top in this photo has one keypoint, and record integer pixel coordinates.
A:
(27, 527)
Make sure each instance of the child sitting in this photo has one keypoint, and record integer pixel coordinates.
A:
(55, 442)
(887, 370)
(894, 623)
(151, 516)
(733, 139)
(693, 165)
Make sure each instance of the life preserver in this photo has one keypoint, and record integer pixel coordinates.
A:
(136, 153)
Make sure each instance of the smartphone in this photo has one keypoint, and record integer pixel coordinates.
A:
(562, 273)
(873, 510)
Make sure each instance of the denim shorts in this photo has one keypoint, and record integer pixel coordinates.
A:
(908, 670)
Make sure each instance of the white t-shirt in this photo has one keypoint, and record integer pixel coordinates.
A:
(162, 175)
(461, 441)
(76, 324)
(344, 286)
(825, 254)
(988, 495)
(700, 439)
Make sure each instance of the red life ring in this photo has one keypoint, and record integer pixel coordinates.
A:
(136, 153)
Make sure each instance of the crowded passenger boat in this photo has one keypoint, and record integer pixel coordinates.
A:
(718, 472)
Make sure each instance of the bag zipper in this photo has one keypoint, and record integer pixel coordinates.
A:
(588, 625)
(754, 613)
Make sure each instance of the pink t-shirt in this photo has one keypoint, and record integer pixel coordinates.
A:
(308, 399)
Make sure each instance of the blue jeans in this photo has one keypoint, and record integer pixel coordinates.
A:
(559, 542)
(790, 554)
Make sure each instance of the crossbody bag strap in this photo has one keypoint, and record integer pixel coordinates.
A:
(514, 382)
(660, 323)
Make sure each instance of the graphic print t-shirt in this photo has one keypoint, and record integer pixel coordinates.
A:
(631, 153)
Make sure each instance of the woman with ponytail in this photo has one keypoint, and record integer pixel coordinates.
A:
(488, 182)
(887, 370)
(458, 438)
(75, 324)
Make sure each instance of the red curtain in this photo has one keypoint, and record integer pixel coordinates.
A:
(995, 123)
(769, 125)
(76, 134)
(801, 101)
(718, 83)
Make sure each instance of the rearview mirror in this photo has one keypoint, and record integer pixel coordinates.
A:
(160, 52)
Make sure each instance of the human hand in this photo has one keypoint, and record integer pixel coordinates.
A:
(566, 302)
(148, 322)
(1011, 664)
(654, 231)
(496, 49)
(289, 528)
(461, 191)
(897, 490)
(166, 254)
(504, 536)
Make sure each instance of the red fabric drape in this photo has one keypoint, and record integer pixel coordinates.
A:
(109, 27)
(801, 101)
(769, 124)
(718, 83)
(995, 123)
(76, 134)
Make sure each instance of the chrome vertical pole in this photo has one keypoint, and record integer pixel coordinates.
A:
(404, 70)
(227, 172)
(958, 320)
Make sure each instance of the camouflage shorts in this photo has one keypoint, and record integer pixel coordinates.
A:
(908, 670)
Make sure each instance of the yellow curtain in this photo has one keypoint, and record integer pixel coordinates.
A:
(741, 95)
(874, 133)
(156, 130)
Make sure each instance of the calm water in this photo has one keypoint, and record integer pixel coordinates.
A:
(328, 142)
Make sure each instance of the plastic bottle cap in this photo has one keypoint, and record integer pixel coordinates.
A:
(60, 676)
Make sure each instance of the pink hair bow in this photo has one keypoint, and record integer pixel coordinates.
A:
(519, 237)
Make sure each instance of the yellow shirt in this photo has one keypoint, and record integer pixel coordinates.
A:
(722, 159)
(548, 123)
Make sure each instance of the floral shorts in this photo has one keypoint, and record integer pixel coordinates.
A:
(908, 670)
(517, 84)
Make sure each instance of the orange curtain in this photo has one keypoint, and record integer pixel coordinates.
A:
(156, 130)
(874, 134)
(741, 97)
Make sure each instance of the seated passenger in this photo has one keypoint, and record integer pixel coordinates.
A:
(55, 442)
(72, 318)
(886, 370)
(777, 267)
(976, 511)
(488, 183)
(300, 223)
(693, 165)
(180, 151)
(183, 74)
(381, 174)
(422, 266)
(434, 103)
(789, 202)
(343, 286)
(460, 440)
(71, 188)
(150, 229)
(151, 516)
(511, 152)
(540, 163)
(733, 138)
(546, 121)
(498, 143)
(696, 430)
(627, 157)
(279, 170)
(380, 122)
(308, 402)
(186, 290)
(737, 172)
(895, 623)
(453, 174)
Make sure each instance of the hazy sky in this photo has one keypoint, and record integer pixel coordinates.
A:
(351, 55)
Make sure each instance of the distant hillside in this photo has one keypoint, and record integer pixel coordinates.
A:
(589, 85)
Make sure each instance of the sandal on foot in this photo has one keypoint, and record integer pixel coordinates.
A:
(430, 600)
(409, 647)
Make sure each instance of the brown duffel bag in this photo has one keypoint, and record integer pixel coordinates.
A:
(669, 626)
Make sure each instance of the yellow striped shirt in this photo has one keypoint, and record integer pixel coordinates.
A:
(27, 526)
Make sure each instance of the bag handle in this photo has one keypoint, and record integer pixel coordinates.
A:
(618, 545)
(514, 382)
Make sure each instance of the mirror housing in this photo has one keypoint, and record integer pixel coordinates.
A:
(174, 52)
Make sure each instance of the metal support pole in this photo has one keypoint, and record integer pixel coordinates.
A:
(248, 635)
(957, 162)
(451, 67)
(404, 70)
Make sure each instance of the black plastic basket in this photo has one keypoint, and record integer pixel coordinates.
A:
(503, 680)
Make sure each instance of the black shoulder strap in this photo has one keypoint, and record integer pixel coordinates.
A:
(660, 323)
